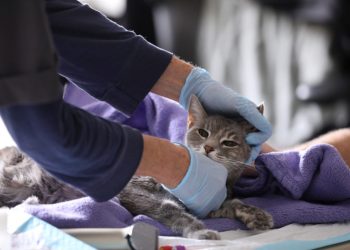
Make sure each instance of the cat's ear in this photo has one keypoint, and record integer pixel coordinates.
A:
(249, 127)
(196, 112)
(261, 108)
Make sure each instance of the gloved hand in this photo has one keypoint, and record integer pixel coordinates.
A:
(203, 189)
(218, 99)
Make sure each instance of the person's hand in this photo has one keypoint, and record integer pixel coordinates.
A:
(218, 99)
(266, 148)
(203, 189)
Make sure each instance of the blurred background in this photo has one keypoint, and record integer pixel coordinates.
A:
(293, 55)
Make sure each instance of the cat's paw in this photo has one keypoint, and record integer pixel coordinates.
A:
(261, 220)
(32, 200)
(253, 217)
(204, 234)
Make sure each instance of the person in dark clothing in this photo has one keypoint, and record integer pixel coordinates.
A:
(119, 67)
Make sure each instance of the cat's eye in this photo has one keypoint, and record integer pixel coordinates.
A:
(230, 144)
(203, 133)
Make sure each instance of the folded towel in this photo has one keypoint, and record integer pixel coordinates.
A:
(311, 186)
(86, 213)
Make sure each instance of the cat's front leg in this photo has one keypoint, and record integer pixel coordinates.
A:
(252, 217)
(180, 221)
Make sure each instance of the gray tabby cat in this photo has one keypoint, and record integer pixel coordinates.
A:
(221, 139)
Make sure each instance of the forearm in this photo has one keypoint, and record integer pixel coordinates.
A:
(172, 80)
(165, 161)
(157, 152)
(338, 138)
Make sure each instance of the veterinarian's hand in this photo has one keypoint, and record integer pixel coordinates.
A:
(218, 99)
(203, 189)
(266, 148)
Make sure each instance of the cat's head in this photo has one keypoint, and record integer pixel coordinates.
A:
(217, 137)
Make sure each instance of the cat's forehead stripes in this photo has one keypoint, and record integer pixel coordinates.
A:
(222, 128)
(230, 135)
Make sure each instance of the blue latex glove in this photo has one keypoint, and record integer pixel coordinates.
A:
(218, 99)
(203, 189)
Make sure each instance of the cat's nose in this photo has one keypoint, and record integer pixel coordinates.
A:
(208, 149)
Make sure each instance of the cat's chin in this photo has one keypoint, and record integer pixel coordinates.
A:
(210, 155)
(214, 158)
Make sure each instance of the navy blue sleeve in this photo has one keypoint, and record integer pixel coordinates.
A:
(95, 155)
(103, 58)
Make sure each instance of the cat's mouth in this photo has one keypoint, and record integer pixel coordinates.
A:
(213, 156)
(210, 155)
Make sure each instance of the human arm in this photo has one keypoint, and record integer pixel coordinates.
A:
(183, 80)
(103, 58)
(93, 154)
(84, 37)
(169, 84)
(340, 139)
(267, 148)
(155, 161)
(85, 40)
(107, 43)
(118, 67)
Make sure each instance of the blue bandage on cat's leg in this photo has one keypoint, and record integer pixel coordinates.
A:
(203, 189)
(218, 99)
